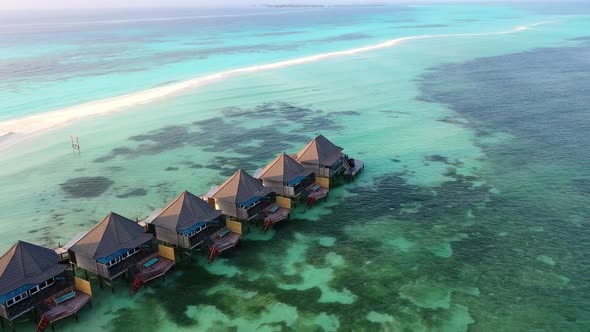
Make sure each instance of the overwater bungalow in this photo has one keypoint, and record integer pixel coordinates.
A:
(117, 246)
(286, 177)
(322, 157)
(34, 280)
(242, 197)
(182, 223)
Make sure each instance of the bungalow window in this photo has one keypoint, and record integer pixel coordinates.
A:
(35, 290)
(17, 299)
(252, 205)
(47, 283)
(128, 254)
(196, 231)
(113, 261)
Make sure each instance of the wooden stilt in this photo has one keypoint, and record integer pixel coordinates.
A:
(86, 274)
(100, 282)
(2, 322)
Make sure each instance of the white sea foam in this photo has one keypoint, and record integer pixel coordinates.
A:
(29, 126)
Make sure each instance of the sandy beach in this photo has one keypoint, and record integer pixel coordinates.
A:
(30, 126)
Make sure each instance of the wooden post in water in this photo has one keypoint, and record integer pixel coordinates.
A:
(75, 142)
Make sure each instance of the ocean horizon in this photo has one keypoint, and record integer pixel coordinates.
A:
(472, 120)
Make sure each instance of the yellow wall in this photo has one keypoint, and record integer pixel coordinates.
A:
(234, 226)
(284, 202)
(166, 252)
(83, 286)
(324, 182)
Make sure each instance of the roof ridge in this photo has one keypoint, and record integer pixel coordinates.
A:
(305, 148)
(9, 249)
(90, 230)
(102, 238)
(114, 224)
(19, 247)
(171, 203)
(227, 181)
(270, 166)
(190, 204)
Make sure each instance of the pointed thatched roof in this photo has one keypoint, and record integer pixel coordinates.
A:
(319, 151)
(240, 188)
(283, 169)
(112, 234)
(27, 264)
(185, 211)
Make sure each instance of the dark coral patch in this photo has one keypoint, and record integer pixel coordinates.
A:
(134, 193)
(227, 134)
(86, 186)
(349, 113)
(438, 158)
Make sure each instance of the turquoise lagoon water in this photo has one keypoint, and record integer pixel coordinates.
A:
(472, 213)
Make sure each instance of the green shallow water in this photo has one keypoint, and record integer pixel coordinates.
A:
(450, 228)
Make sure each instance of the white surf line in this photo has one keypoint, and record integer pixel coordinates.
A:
(29, 126)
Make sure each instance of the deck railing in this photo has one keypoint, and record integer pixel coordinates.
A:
(120, 268)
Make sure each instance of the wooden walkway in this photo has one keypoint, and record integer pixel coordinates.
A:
(67, 308)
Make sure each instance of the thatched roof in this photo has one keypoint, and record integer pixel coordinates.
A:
(239, 188)
(283, 169)
(185, 211)
(319, 151)
(112, 234)
(27, 264)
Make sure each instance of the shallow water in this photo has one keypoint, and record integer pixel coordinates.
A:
(471, 214)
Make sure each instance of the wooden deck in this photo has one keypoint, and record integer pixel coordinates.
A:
(226, 242)
(353, 171)
(156, 270)
(67, 308)
(280, 214)
(318, 193)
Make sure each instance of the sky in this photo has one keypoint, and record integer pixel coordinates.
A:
(43, 4)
